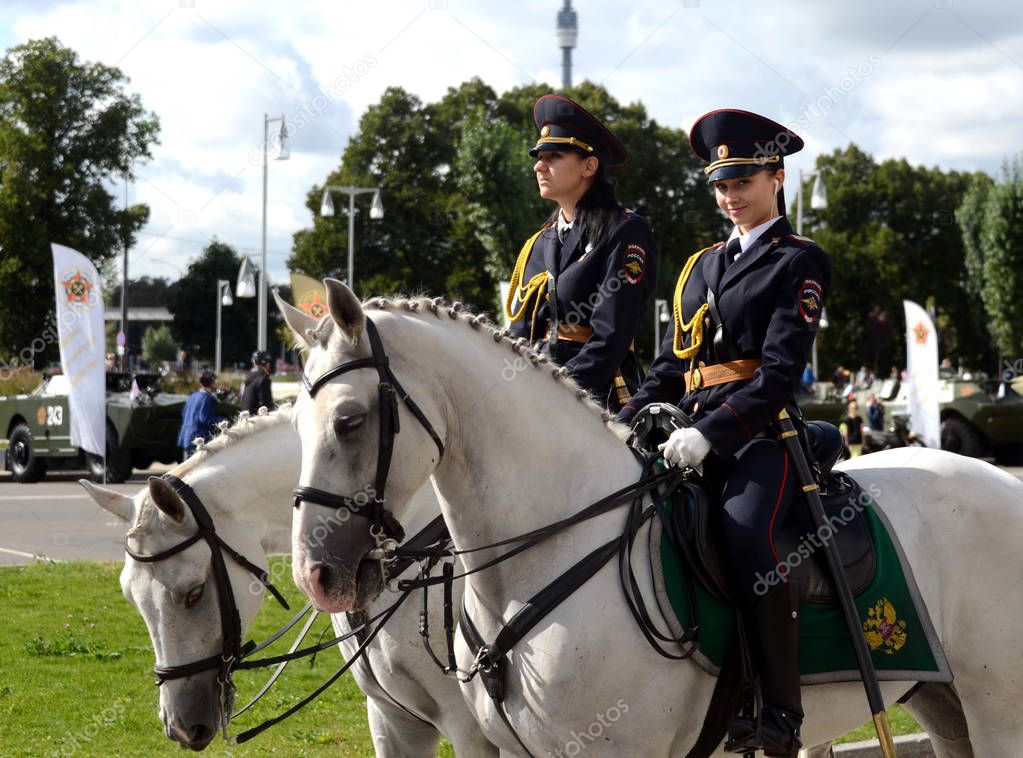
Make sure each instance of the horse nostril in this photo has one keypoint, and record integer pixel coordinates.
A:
(199, 733)
(319, 575)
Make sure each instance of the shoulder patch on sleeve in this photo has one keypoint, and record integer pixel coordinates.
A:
(634, 263)
(811, 301)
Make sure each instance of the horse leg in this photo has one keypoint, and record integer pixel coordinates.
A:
(818, 751)
(937, 708)
(467, 738)
(397, 734)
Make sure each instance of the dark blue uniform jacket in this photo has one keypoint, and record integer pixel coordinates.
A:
(606, 288)
(770, 300)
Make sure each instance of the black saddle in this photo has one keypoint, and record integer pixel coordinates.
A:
(798, 542)
(799, 545)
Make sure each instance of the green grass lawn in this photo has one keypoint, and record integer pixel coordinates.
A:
(75, 677)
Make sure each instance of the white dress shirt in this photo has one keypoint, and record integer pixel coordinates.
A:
(747, 239)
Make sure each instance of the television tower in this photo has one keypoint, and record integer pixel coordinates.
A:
(567, 31)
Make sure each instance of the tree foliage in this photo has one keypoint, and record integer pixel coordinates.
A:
(194, 306)
(158, 345)
(890, 229)
(68, 130)
(991, 219)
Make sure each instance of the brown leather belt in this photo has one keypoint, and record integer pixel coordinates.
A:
(721, 373)
(580, 333)
(574, 332)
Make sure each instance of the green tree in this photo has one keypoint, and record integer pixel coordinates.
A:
(891, 233)
(67, 131)
(194, 306)
(502, 203)
(991, 219)
(158, 345)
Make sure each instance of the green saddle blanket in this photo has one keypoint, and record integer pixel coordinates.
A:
(894, 618)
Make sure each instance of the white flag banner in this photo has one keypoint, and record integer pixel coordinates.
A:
(80, 330)
(922, 367)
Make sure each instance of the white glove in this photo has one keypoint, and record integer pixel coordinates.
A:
(685, 448)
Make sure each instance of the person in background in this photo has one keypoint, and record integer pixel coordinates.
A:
(808, 379)
(199, 416)
(875, 413)
(851, 428)
(257, 388)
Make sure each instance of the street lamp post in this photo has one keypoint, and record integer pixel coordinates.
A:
(376, 211)
(818, 201)
(223, 298)
(282, 155)
(660, 317)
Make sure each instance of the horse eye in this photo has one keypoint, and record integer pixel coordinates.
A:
(194, 596)
(345, 424)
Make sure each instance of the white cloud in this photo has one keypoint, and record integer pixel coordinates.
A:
(947, 90)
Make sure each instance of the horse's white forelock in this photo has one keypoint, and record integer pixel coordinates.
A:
(480, 323)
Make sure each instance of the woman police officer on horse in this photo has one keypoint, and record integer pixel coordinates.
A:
(746, 312)
(581, 284)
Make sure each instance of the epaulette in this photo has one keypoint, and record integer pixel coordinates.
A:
(715, 246)
(804, 241)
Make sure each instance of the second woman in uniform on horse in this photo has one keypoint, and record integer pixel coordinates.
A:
(746, 312)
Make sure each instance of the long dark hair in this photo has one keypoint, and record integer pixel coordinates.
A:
(597, 211)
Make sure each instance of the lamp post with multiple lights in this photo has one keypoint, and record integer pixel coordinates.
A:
(223, 298)
(376, 211)
(281, 154)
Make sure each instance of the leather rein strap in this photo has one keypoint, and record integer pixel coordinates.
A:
(389, 390)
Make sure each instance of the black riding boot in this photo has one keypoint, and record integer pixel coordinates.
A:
(775, 641)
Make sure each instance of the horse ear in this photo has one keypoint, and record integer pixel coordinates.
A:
(345, 309)
(166, 499)
(111, 501)
(300, 322)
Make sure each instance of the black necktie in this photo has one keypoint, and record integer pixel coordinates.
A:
(732, 249)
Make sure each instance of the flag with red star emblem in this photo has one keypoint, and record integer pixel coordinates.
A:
(81, 337)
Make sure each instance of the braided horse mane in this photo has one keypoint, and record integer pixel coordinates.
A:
(479, 322)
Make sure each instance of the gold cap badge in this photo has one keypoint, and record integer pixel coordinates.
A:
(722, 151)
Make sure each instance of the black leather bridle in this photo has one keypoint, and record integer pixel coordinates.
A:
(371, 505)
(230, 620)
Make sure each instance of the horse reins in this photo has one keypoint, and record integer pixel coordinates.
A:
(387, 532)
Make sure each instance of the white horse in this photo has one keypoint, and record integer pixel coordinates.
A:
(518, 456)
(244, 478)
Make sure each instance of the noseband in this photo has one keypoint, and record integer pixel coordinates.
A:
(384, 526)
(230, 620)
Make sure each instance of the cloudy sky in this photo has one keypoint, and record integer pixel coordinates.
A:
(938, 82)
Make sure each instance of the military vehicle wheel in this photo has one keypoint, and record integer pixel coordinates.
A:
(959, 436)
(118, 464)
(1009, 455)
(25, 467)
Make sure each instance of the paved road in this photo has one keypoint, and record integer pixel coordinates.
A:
(55, 519)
